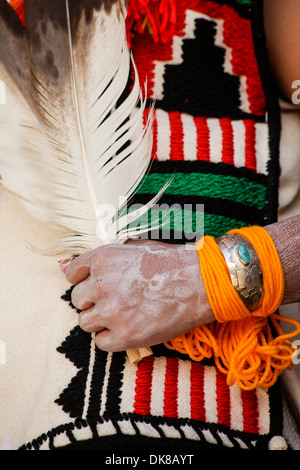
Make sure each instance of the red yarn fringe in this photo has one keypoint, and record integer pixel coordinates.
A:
(18, 6)
(158, 16)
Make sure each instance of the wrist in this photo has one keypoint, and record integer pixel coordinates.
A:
(201, 312)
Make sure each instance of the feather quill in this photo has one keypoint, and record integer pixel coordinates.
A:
(72, 138)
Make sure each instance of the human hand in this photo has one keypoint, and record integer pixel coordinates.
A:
(138, 294)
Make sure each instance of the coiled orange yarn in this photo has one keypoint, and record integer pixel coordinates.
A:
(242, 342)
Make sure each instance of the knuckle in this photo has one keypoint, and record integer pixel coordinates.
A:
(98, 286)
(100, 261)
(100, 253)
(74, 297)
(82, 321)
(85, 322)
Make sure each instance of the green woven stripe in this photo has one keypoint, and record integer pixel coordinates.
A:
(243, 2)
(176, 219)
(201, 184)
(191, 222)
(217, 225)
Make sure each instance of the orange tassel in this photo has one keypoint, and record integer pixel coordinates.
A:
(241, 341)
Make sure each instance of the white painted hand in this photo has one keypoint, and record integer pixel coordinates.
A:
(138, 294)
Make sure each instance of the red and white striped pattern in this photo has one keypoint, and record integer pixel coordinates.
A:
(171, 387)
(179, 136)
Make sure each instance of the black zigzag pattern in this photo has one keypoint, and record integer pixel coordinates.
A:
(77, 348)
(190, 88)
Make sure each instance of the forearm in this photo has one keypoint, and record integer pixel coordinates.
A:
(286, 237)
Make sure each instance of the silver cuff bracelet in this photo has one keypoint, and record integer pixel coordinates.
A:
(244, 268)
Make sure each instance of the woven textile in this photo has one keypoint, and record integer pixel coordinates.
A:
(216, 136)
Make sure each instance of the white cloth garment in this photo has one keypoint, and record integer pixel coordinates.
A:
(28, 373)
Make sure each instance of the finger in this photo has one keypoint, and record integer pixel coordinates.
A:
(103, 341)
(82, 297)
(107, 341)
(90, 321)
(79, 268)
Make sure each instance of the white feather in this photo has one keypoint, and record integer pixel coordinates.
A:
(73, 150)
(21, 147)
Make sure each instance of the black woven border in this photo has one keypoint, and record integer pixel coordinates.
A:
(141, 444)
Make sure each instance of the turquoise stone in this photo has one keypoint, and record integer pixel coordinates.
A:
(243, 254)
